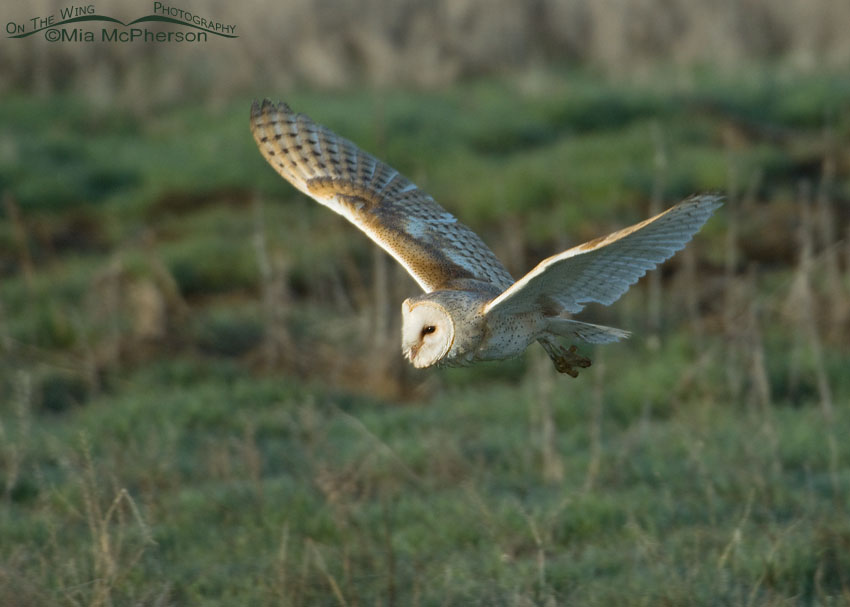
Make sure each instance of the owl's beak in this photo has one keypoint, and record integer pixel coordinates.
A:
(413, 352)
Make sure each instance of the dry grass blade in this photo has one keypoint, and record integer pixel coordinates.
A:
(323, 568)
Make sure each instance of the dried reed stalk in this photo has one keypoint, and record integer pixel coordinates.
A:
(804, 305)
(277, 346)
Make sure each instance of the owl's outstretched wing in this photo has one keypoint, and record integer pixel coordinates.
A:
(603, 269)
(436, 249)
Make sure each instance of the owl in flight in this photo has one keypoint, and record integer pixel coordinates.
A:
(472, 309)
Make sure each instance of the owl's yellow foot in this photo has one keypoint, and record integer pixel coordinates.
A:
(566, 361)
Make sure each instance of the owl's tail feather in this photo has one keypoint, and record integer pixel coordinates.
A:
(585, 331)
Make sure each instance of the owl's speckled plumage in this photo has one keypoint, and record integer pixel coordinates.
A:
(472, 309)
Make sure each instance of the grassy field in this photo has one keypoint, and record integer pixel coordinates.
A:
(202, 399)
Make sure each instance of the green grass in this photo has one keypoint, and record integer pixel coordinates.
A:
(264, 489)
(184, 466)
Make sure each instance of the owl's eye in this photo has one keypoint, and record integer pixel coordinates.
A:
(428, 329)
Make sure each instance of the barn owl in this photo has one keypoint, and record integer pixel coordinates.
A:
(471, 309)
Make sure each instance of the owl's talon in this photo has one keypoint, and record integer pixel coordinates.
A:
(567, 360)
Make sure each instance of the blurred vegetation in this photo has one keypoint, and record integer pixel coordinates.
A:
(425, 44)
(202, 399)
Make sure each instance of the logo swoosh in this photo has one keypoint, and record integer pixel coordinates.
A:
(71, 20)
(177, 21)
(144, 19)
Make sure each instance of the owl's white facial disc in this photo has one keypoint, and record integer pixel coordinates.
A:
(427, 332)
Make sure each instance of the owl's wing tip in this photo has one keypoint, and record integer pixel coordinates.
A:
(259, 108)
(711, 201)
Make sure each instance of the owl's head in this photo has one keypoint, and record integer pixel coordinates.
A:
(427, 332)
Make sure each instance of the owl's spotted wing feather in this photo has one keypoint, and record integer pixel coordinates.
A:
(428, 241)
(603, 269)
